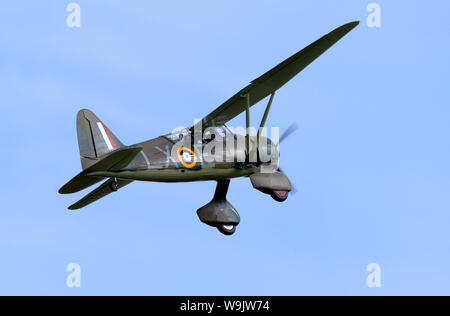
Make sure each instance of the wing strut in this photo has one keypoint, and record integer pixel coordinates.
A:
(247, 122)
(247, 119)
(266, 113)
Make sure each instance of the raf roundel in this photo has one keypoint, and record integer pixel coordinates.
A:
(187, 157)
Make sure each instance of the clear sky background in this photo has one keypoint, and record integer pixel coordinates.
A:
(370, 158)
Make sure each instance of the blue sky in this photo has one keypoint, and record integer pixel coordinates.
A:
(370, 159)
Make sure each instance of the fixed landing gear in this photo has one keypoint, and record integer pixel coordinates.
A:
(279, 196)
(219, 212)
(114, 185)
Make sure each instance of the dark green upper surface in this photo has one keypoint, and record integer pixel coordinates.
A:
(115, 161)
(275, 78)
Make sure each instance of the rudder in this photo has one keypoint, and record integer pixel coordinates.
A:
(95, 140)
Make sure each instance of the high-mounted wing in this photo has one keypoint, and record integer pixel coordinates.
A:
(274, 79)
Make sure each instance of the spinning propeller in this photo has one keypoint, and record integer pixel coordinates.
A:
(288, 132)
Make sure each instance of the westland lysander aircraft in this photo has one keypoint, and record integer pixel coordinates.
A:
(163, 159)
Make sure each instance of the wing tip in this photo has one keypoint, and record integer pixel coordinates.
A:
(346, 27)
(351, 25)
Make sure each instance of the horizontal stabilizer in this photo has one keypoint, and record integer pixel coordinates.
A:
(98, 193)
(115, 161)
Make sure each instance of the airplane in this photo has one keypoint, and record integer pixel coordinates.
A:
(181, 156)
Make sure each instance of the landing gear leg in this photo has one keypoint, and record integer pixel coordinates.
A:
(219, 212)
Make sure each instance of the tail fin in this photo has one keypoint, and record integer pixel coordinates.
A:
(95, 140)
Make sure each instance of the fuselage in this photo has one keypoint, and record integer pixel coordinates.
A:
(163, 159)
